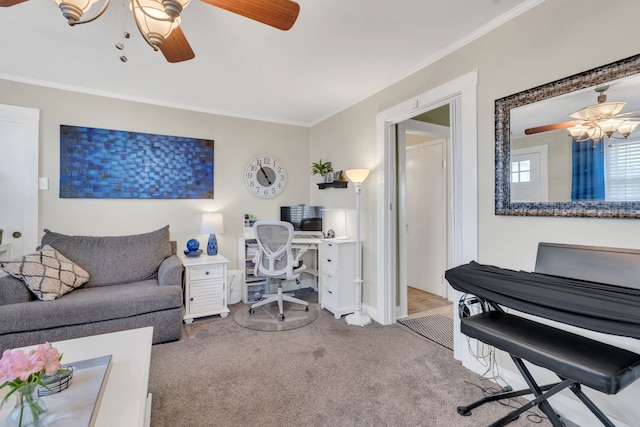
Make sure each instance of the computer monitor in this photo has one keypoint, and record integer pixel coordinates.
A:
(306, 220)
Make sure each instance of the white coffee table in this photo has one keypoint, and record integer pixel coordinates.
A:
(126, 400)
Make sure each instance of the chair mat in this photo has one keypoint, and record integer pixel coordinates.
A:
(265, 318)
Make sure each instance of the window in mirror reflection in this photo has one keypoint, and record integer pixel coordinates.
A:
(521, 171)
(622, 168)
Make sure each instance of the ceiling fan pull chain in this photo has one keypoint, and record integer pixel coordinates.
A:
(125, 33)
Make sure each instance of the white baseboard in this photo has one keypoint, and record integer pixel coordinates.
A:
(147, 411)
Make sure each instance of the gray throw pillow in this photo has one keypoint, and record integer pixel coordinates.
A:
(47, 273)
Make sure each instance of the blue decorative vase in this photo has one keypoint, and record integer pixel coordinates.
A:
(212, 245)
(193, 245)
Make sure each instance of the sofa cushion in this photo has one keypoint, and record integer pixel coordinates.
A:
(112, 260)
(47, 273)
(13, 290)
(89, 305)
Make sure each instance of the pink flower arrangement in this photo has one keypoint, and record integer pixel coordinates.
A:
(18, 368)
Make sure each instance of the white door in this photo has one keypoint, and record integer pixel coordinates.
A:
(426, 225)
(529, 175)
(19, 178)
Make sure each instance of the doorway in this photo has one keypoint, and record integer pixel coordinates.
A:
(19, 130)
(461, 94)
(423, 144)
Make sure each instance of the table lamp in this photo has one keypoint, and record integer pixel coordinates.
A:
(212, 224)
(357, 176)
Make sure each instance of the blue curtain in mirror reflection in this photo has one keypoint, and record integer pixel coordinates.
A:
(588, 170)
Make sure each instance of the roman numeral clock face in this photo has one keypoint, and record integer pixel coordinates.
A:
(265, 176)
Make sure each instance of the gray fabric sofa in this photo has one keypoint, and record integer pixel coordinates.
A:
(135, 281)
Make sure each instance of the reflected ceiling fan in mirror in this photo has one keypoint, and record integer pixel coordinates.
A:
(159, 20)
(596, 121)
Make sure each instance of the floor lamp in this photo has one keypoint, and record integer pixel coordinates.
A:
(357, 176)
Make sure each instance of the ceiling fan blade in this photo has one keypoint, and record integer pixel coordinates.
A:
(554, 126)
(281, 14)
(7, 3)
(629, 114)
(176, 48)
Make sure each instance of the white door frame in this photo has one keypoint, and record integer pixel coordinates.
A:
(462, 93)
(29, 120)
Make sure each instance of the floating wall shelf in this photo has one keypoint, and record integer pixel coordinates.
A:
(335, 184)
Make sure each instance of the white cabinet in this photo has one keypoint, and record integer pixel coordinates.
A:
(338, 267)
(205, 286)
(253, 287)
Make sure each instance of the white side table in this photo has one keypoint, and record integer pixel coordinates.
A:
(205, 286)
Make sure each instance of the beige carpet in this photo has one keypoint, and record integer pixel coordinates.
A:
(324, 374)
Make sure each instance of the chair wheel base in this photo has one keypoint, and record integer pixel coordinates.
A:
(251, 311)
(464, 411)
(306, 308)
(281, 317)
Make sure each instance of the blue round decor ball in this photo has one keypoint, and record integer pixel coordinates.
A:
(193, 245)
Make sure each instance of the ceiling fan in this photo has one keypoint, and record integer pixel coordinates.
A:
(159, 20)
(596, 121)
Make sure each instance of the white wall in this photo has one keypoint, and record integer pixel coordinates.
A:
(551, 41)
(554, 40)
(236, 142)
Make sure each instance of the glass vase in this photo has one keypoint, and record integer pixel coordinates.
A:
(30, 410)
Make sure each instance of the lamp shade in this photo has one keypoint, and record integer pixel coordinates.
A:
(357, 175)
(152, 21)
(212, 223)
(627, 127)
(74, 9)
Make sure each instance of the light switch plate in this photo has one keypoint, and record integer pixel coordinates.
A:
(43, 183)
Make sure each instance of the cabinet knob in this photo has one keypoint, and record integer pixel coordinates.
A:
(206, 273)
(328, 260)
(190, 299)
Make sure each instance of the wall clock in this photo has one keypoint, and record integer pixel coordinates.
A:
(265, 176)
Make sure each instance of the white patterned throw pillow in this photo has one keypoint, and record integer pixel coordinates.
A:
(47, 273)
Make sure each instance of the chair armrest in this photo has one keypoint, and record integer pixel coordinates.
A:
(170, 271)
(13, 291)
(256, 260)
(299, 254)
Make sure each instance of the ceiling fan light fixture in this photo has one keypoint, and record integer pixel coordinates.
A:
(595, 134)
(609, 126)
(152, 21)
(627, 127)
(599, 111)
(174, 8)
(578, 132)
(73, 10)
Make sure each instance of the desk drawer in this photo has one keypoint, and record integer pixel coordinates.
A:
(330, 265)
(329, 294)
(329, 250)
(206, 272)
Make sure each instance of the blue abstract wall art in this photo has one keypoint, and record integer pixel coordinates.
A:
(114, 164)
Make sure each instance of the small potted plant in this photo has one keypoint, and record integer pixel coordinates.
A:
(321, 168)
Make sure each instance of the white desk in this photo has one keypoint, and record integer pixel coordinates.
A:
(311, 244)
(126, 401)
